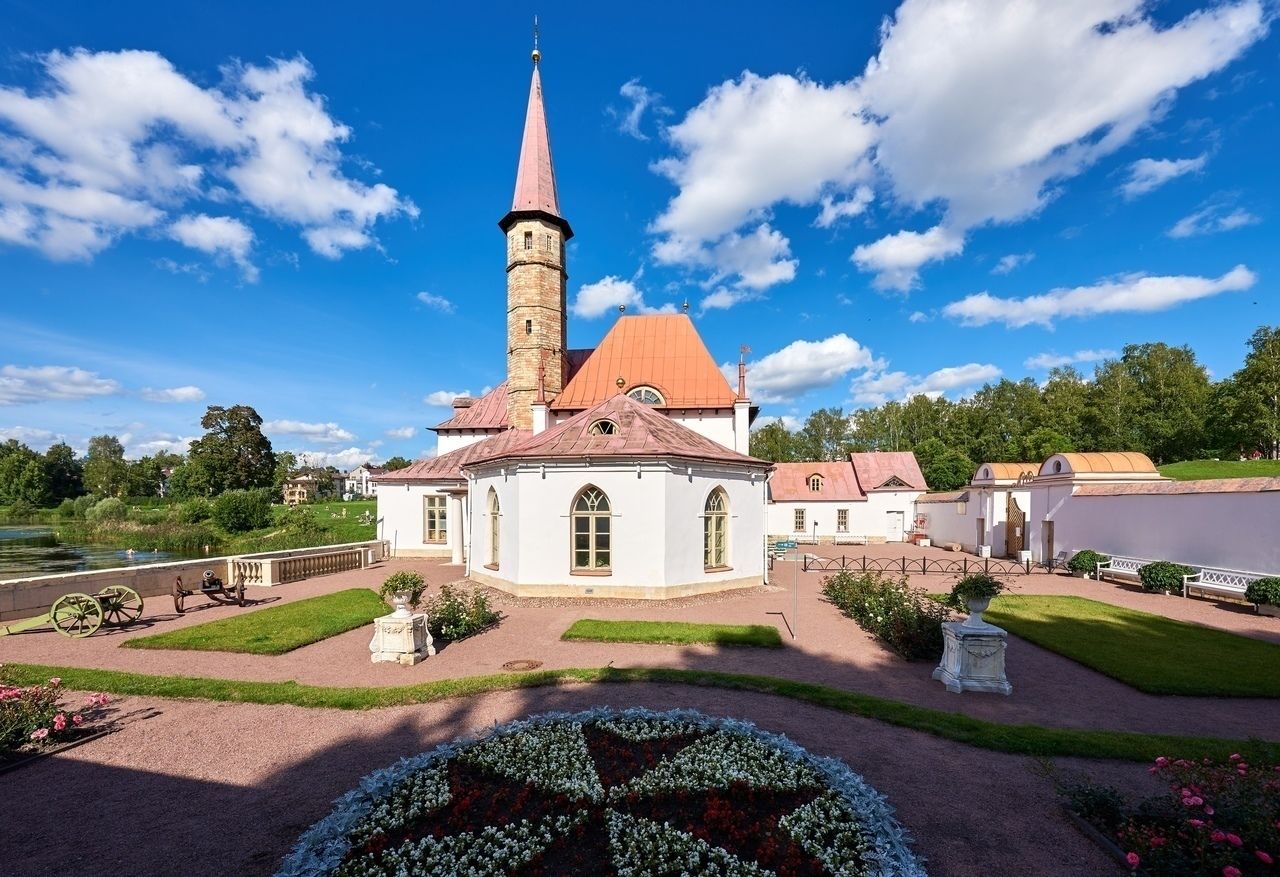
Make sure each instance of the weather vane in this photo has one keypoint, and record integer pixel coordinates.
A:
(536, 54)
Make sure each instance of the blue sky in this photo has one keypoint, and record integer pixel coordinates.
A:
(294, 207)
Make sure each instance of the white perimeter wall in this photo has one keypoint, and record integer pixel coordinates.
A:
(451, 441)
(947, 525)
(656, 521)
(1226, 530)
(869, 517)
(402, 519)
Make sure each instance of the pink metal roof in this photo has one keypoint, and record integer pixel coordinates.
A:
(535, 175)
(641, 432)
(662, 351)
(874, 468)
(947, 496)
(1210, 485)
(790, 483)
(448, 467)
(487, 412)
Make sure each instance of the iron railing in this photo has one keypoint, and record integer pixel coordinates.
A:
(926, 565)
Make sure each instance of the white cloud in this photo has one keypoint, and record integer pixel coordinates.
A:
(173, 394)
(789, 421)
(802, 366)
(112, 142)
(219, 236)
(640, 100)
(162, 443)
(1012, 261)
(1052, 360)
(403, 432)
(1134, 293)
(1211, 219)
(327, 433)
(919, 317)
(28, 435)
(436, 302)
(606, 294)
(344, 459)
(1147, 174)
(876, 388)
(834, 209)
(22, 384)
(443, 398)
(896, 258)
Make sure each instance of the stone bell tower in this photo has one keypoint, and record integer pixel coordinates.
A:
(536, 278)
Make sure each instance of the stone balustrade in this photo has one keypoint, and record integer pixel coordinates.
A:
(26, 597)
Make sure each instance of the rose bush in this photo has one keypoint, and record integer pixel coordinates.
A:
(905, 618)
(35, 715)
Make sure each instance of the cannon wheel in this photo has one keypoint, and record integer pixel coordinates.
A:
(76, 615)
(121, 605)
(179, 595)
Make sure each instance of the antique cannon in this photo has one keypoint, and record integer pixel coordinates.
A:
(210, 586)
(79, 615)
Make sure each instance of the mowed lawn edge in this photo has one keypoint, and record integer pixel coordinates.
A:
(1033, 740)
(1151, 653)
(274, 630)
(673, 633)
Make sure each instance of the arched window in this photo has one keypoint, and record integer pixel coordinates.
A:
(647, 395)
(603, 427)
(715, 530)
(591, 531)
(815, 482)
(495, 528)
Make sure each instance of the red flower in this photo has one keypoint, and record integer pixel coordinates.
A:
(1133, 860)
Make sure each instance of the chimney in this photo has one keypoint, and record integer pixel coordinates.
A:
(461, 402)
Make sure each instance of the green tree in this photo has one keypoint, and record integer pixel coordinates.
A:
(1257, 394)
(64, 472)
(286, 465)
(824, 436)
(105, 470)
(773, 442)
(951, 470)
(1042, 443)
(1173, 393)
(1065, 402)
(398, 462)
(24, 482)
(232, 454)
(145, 477)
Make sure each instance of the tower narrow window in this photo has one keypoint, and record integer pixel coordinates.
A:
(591, 531)
(715, 528)
(528, 327)
(550, 247)
(528, 240)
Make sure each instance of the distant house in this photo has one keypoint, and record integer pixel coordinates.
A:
(359, 481)
(867, 498)
(300, 489)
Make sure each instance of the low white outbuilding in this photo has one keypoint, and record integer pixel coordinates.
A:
(867, 498)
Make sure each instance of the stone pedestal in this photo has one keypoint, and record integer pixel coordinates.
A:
(401, 640)
(973, 659)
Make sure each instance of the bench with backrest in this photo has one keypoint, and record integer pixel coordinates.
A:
(849, 539)
(1121, 567)
(1219, 582)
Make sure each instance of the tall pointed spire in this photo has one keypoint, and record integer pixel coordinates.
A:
(536, 174)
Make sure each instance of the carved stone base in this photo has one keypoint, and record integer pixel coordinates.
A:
(973, 660)
(401, 640)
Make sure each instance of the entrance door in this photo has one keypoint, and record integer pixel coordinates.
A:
(894, 527)
(1015, 534)
(982, 534)
(1048, 542)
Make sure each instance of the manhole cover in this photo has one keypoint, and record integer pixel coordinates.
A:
(517, 666)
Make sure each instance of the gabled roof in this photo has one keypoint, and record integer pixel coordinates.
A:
(1208, 485)
(448, 467)
(877, 470)
(487, 412)
(790, 483)
(639, 433)
(662, 351)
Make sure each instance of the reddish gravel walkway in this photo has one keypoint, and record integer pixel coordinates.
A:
(829, 649)
(215, 789)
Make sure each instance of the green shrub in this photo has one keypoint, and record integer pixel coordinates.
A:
(1163, 577)
(903, 617)
(1264, 591)
(976, 586)
(31, 716)
(148, 515)
(1086, 561)
(238, 511)
(21, 511)
(83, 504)
(455, 614)
(404, 582)
(67, 508)
(193, 511)
(109, 509)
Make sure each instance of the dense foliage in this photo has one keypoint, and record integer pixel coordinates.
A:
(976, 586)
(406, 582)
(1265, 591)
(109, 509)
(905, 618)
(1163, 577)
(238, 511)
(454, 613)
(1218, 818)
(1086, 561)
(32, 716)
(1154, 398)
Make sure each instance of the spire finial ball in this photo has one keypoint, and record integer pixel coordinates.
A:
(537, 56)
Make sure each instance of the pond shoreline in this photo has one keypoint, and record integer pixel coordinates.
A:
(28, 550)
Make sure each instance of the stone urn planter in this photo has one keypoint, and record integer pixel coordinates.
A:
(400, 600)
(977, 606)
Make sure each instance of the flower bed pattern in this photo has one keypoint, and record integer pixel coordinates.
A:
(612, 793)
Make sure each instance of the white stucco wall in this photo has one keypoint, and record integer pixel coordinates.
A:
(1225, 530)
(869, 517)
(400, 509)
(451, 440)
(946, 524)
(656, 520)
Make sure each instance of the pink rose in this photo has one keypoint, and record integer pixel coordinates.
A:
(60, 722)
(1162, 761)
(1263, 857)
(1236, 756)
(1208, 809)
(1196, 823)
(1231, 871)
(77, 720)
(1234, 840)
(40, 734)
(1218, 836)
(1133, 860)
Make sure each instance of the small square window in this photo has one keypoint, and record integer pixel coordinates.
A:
(528, 327)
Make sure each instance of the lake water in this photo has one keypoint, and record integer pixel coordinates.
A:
(32, 550)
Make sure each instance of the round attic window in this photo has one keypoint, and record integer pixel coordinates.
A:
(986, 473)
(647, 395)
(1057, 465)
(603, 427)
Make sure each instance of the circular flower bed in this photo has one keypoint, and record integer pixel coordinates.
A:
(604, 792)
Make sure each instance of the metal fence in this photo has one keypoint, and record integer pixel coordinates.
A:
(961, 566)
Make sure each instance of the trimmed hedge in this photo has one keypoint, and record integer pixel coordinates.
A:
(1264, 591)
(1086, 561)
(1163, 576)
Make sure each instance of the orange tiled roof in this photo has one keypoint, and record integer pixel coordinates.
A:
(874, 468)
(1208, 485)
(1005, 471)
(448, 467)
(487, 412)
(641, 432)
(1107, 461)
(663, 351)
(790, 483)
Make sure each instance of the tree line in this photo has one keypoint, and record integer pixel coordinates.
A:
(1154, 398)
(232, 454)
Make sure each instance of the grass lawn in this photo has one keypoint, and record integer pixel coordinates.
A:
(1195, 470)
(1149, 652)
(1032, 740)
(274, 630)
(673, 633)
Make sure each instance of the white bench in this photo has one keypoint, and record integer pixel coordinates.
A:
(1223, 582)
(1124, 567)
(848, 539)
